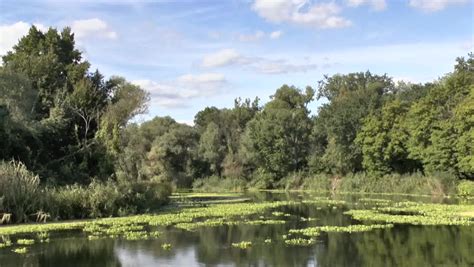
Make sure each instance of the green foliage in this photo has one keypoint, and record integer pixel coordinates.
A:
(19, 190)
(279, 135)
(219, 184)
(465, 189)
(351, 97)
(107, 199)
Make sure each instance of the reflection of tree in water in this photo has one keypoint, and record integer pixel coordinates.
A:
(66, 252)
(418, 246)
(400, 246)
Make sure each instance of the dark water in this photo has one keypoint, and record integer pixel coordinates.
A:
(402, 245)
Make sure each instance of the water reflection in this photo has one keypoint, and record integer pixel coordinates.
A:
(402, 245)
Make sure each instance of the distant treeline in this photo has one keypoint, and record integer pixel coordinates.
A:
(70, 126)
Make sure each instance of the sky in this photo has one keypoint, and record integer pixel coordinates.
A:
(190, 54)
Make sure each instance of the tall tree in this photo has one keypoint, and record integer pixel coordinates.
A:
(279, 135)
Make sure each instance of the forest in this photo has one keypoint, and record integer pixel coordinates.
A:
(71, 148)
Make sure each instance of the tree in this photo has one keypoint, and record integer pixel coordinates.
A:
(211, 148)
(434, 129)
(383, 140)
(351, 97)
(279, 135)
(173, 155)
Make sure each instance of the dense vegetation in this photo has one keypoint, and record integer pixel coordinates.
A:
(69, 147)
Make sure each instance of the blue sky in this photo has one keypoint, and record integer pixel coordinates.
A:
(192, 54)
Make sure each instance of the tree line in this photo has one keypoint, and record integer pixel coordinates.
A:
(69, 125)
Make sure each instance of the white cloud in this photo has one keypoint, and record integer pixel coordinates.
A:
(251, 37)
(276, 34)
(177, 93)
(230, 57)
(259, 35)
(282, 66)
(377, 5)
(92, 28)
(11, 33)
(221, 58)
(434, 5)
(301, 12)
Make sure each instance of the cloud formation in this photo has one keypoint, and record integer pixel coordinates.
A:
(435, 5)
(301, 12)
(377, 5)
(92, 28)
(259, 35)
(230, 57)
(177, 93)
(224, 57)
(276, 34)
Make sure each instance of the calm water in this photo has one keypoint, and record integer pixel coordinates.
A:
(399, 246)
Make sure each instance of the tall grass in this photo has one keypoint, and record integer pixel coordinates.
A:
(20, 191)
(23, 199)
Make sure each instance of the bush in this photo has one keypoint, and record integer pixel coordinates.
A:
(143, 196)
(68, 202)
(318, 182)
(436, 184)
(219, 184)
(465, 188)
(20, 191)
(106, 199)
(261, 180)
(292, 181)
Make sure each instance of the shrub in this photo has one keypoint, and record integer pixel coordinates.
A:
(143, 196)
(261, 180)
(318, 182)
(465, 188)
(106, 199)
(68, 202)
(219, 184)
(20, 191)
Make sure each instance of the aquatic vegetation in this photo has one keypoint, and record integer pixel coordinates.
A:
(310, 231)
(25, 241)
(242, 245)
(324, 201)
(315, 231)
(309, 219)
(278, 213)
(22, 250)
(93, 237)
(375, 201)
(43, 237)
(5, 244)
(221, 222)
(267, 241)
(166, 246)
(154, 234)
(417, 213)
(299, 242)
(204, 195)
(138, 235)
